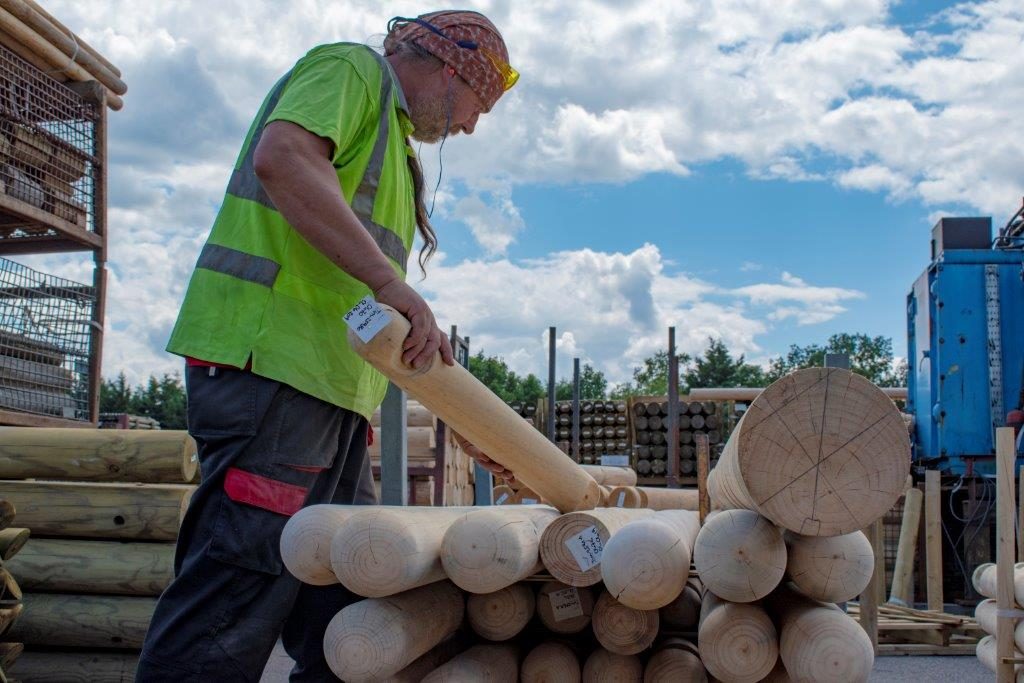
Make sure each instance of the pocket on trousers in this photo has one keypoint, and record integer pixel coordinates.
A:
(223, 403)
(247, 535)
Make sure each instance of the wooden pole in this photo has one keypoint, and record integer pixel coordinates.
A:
(87, 621)
(572, 545)
(611, 476)
(497, 663)
(737, 641)
(805, 451)
(382, 551)
(75, 667)
(988, 654)
(933, 538)
(1006, 455)
(73, 566)
(657, 498)
(503, 614)
(645, 565)
(987, 616)
(675, 660)
(378, 637)
(830, 568)
(703, 469)
(603, 666)
(486, 550)
(564, 609)
(127, 511)
(106, 455)
(550, 662)
(306, 542)
(11, 541)
(81, 43)
(472, 410)
(625, 497)
(902, 573)
(739, 555)
(683, 613)
(870, 596)
(623, 630)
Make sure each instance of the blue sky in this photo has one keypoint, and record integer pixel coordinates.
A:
(764, 171)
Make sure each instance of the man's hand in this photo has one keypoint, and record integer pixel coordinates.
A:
(424, 339)
(485, 462)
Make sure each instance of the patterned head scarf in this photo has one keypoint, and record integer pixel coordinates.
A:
(475, 66)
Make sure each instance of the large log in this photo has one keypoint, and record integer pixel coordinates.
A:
(564, 609)
(306, 542)
(821, 452)
(378, 637)
(674, 661)
(830, 568)
(463, 402)
(492, 663)
(380, 551)
(607, 667)
(611, 476)
(646, 563)
(739, 555)
(87, 621)
(572, 545)
(104, 567)
(93, 510)
(486, 550)
(503, 614)
(738, 641)
(818, 641)
(550, 662)
(623, 630)
(108, 455)
(75, 667)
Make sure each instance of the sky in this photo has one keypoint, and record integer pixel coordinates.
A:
(765, 172)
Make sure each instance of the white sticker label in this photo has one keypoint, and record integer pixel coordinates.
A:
(195, 456)
(366, 319)
(529, 501)
(586, 548)
(501, 499)
(615, 461)
(622, 499)
(565, 604)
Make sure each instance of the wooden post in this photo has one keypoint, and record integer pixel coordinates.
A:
(550, 662)
(1006, 455)
(58, 565)
(623, 630)
(683, 613)
(869, 597)
(933, 538)
(902, 591)
(830, 568)
(740, 555)
(572, 545)
(607, 667)
(564, 609)
(675, 660)
(493, 663)
(87, 621)
(501, 615)
(738, 642)
(703, 469)
(11, 541)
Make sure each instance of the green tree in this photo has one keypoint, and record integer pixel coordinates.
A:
(869, 356)
(717, 368)
(651, 378)
(593, 385)
(115, 395)
(495, 374)
(162, 399)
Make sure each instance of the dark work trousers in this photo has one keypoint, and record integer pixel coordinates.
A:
(265, 450)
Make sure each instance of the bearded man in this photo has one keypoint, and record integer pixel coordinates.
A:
(320, 211)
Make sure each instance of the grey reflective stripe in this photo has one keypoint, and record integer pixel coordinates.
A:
(244, 183)
(220, 259)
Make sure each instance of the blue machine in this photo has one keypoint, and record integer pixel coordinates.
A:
(965, 343)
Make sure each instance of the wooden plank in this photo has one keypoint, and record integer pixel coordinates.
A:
(703, 468)
(933, 538)
(13, 418)
(87, 240)
(902, 591)
(1006, 455)
(916, 649)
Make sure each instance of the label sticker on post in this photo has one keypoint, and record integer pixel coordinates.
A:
(614, 461)
(366, 319)
(622, 499)
(501, 499)
(565, 604)
(586, 548)
(530, 501)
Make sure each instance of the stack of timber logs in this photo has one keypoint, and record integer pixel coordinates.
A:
(987, 613)
(528, 411)
(103, 508)
(12, 540)
(604, 429)
(424, 453)
(650, 428)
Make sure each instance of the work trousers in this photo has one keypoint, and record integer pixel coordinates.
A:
(265, 450)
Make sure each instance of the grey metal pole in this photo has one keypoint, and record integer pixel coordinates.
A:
(576, 409)
(672, 475)
(394, 456)
(551, 384)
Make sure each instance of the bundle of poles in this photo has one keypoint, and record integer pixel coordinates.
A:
(650, 424)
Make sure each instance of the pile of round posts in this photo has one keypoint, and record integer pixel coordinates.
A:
(650, 427)
(819, 456)
(103, 508)
(604, 429)
(987, 613)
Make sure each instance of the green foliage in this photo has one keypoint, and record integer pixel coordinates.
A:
(593, 385)
(717, 368)
(651, 378)
(495, 374)
(869, 356)
(162, 399)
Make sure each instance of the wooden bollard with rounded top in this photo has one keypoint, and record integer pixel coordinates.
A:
(572, 545)
(656, 498)
(607, 667)
(738, 641)
(739, 555)
(378, 637)
(984, 580)
(987, 651)
(818, 641)
(675, 660)
(454, 395)
(624, 497)
(611, 476)
(502, 494)
(821, 452)
(486, 550)
(683, 613)
(381, 551)
(306, 542)
(646, 563)
(550, 662)
(564, 609)
(623, 630)
(986, 614)
(64, 565)
(415, 672)
(503, 614)
(830, 568)
(497, 663)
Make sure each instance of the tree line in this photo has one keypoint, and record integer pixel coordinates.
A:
(163, 398)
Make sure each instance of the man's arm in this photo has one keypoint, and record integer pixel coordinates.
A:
(295, 169)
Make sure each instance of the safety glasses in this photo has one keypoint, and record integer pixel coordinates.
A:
(509, 76)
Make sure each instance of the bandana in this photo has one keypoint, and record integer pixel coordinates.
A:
(472, 65)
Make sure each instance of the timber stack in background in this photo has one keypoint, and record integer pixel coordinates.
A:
(650, 434)
(103, 508)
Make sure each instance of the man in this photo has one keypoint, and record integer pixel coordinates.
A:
(320, 211)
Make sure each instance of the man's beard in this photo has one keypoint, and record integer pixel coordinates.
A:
(430, 117)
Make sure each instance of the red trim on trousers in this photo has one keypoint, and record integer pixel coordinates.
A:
(262, 492)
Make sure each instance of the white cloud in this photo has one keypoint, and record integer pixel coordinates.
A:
(795, 299)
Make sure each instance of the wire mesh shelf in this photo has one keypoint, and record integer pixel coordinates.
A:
(46, 325)
(48, 159)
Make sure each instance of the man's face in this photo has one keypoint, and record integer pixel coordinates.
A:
(429, 111)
